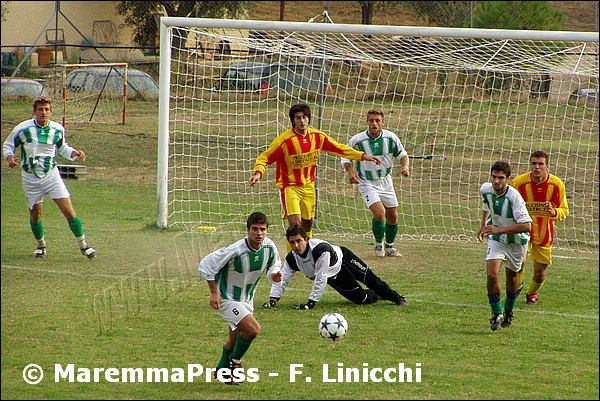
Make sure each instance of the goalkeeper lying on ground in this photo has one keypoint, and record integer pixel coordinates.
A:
(325, 263)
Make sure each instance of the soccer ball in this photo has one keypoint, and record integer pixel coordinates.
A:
(333, 325)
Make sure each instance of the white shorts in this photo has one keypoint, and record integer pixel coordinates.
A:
(51, 185)
(513, 255)
(373, 191)
(233, 311)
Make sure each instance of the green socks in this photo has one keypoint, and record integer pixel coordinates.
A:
(390, 234)
(37, 229)
(224, 362)
(76, 227)
(240, 348)
(378, 228)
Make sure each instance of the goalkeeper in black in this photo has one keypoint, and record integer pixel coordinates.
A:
(325, 263)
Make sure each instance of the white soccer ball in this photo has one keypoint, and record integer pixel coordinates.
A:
(333, 325)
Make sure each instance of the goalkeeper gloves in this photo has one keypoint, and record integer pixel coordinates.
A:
(309, 305)
(270, 304)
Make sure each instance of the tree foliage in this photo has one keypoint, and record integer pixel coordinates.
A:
(520, 15)
(456, 14)
(140, 15)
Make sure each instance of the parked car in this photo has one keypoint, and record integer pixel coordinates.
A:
(253, 76)
(588, 95)
(110, 80)
(20, 88)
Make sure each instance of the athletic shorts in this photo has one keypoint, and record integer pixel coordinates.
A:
(51, 185)
(541, 254)
(513, 255)
(234, 311)
(373, 191)
(300, 200)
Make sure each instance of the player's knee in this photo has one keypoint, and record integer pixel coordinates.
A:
(252, 332)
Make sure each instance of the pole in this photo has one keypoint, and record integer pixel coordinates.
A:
(56, 12)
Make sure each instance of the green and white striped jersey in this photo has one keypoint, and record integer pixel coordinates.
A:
(237, 268)
(39, 146)
(505, 210)
(386, 148)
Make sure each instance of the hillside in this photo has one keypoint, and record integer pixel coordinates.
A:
(580, 14)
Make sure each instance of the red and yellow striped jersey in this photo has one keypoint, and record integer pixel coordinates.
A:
(552, 190)
(296, 156)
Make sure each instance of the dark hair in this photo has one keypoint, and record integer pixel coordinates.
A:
(41, 100)
(257, 218)
(295, 230)
(539, 154)
(299, 108)
(375, 111)
(503, 166)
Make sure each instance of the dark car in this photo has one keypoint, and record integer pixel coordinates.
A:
(20, 88)
(260, 77)
(110, 80)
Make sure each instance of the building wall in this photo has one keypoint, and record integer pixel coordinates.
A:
(25, 21)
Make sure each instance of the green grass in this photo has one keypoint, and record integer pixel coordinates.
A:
(141, 304)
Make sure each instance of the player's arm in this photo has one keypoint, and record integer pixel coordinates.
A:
(484, 218)
(9, 147)
(266, 158)
(352, 174)
(320, 281)
(215, 297)
(277, 289)
(404, 162)
(559, 210)
(330, 145)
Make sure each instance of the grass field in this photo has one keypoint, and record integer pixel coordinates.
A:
(141, 304)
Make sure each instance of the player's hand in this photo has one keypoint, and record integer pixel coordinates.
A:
(80, 154)
(309, 305)
(353, 177)
(254, 179)
(270, 304)
(12, 161)
(373, 159)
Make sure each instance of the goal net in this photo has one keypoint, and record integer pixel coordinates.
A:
(90, 93)
(459, 99)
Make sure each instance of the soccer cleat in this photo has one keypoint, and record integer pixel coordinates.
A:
(89, 252)
(40, 252)
(226, 378)
(531, 299)
(235, 365)
(496, 322)
(401, 301)
(508, 317)
(379, 251)
(392, 252)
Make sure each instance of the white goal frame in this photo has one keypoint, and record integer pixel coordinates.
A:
(518, 160)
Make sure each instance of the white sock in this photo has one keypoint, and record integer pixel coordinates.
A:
(81, 241)
(41, 242)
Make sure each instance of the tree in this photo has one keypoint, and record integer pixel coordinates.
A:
(369, 7)
(520, 15)
(141, 15)
(456, 14)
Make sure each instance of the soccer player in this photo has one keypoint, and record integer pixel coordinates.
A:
(506, 224)
(328, 264)
(296, 154)
(546, 200)
(41, 140)
(375, 181)
(233, 273)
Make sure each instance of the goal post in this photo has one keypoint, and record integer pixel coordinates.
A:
(91, 92)
(459, 99)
